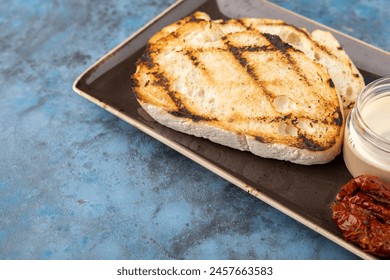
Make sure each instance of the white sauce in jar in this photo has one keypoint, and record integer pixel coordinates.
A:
(376, 115)
(367, 132)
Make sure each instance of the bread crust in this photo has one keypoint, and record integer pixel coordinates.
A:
(240, 141)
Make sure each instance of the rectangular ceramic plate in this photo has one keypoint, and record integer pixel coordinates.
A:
(302, 192)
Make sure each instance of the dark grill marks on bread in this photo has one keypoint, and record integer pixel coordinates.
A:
(304, 141)
(308, 143)
(278, 43)
(283, 47)
(330, 82)
(147, 59)
(182, 111)
(338, 117)
(300, 31)
(240, 21)
(237, 53)
(192, 56)
(323, 48)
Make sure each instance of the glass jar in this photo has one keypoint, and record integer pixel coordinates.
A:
(366, 146)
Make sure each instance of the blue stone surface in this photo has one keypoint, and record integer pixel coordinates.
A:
(78, 183)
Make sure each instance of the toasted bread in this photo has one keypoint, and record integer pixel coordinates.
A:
(244, 89)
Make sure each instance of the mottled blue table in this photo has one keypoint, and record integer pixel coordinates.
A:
(78, 183)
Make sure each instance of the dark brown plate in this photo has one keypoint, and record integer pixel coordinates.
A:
(302, 192)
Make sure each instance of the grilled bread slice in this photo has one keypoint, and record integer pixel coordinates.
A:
(247, 90)
(320, 46)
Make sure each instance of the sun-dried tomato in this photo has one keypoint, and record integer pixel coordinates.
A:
(362, 212)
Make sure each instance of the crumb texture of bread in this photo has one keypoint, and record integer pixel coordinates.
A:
(246, 87)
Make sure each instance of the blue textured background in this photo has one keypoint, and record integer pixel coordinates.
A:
(78, 183)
